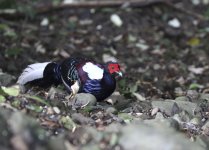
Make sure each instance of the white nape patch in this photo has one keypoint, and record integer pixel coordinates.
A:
(93, 71)
(32, 72)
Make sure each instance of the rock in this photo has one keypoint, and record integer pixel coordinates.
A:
(111, 110)
(171, 107)
(161, 121)
(58, 143)
(118, 100)
(203, 140)
(44, 22)
(18, 131)
(139, 96)
(204, 96)
(142, 46)
(191, 108)
(175, 23)
(154, 111)
(159, 115)
(182, 98)
(68, 123)
(84, 99)
(56, 110)
(81, 119)
(116, 20)
(193, 95)
(106, 58)
(182, 117)
(6, 79)
(195, 121)
(205, 128)
(167, 106)
(151, 137)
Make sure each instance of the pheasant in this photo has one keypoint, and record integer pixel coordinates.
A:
(77, 74)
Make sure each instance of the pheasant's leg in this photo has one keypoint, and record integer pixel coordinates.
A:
(74, 89)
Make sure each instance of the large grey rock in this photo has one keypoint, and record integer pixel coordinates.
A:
(148, 137)
(191, 108)
(169, 107)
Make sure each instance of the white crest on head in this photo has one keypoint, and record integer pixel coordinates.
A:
(93, 71)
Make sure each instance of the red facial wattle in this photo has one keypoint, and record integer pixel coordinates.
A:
(113, 68)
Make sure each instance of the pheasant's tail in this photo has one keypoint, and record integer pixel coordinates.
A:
(41, 74)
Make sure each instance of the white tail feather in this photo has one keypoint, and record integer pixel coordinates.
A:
(32, 72)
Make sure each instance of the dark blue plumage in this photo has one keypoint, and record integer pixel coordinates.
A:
(78, 76)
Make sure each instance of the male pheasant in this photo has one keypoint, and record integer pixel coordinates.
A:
(77, 74)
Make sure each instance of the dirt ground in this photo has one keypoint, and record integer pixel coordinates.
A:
(162, 49)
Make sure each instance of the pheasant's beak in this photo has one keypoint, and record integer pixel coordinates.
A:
(120, 74)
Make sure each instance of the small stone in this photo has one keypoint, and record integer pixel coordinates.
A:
(139, 96)
(205, 2)
(106, 58)
(159, 115)
(111, 110)
(193, 95)
(182, 98)
(40, 48)
(154, 111)
(68, 1)
(195, 121)
(196, 70)
(114, 98)
(196, 2)
(51, 93)
(81, 119)
(205, 128)
(182, 117)
(178, 91)
(175, 23)
(156, 66)
(116, 20)
(5, 79)
(164, 106)
(204, 96)
(142, 46)
(44, 22)
(56, 110)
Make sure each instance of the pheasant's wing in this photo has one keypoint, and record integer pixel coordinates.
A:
(69, 73)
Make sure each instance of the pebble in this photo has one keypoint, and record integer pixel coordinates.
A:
(56, 110)
(44, 22)
(116, 20)
(154, 111)
(195, 121)
(111, 110)
(175, 23)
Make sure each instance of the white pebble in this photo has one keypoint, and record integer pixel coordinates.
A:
(45, 22)
(56, 110)
(116, 20)
(175, 23)
(68, 1)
